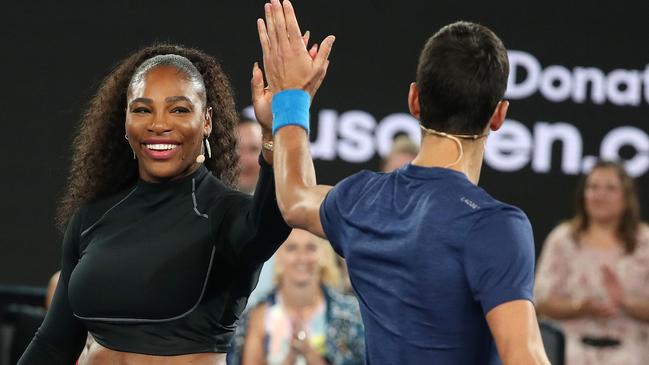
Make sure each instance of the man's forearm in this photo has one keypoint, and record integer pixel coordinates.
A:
(294, 171)
(530, 356)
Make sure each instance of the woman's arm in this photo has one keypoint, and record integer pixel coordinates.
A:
(634, 300)
(254, 228)
(636, 308)
(313, 358)
(553, 267)
(253, 347)
(61, 336)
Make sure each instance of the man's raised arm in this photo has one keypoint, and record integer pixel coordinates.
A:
(293, 76)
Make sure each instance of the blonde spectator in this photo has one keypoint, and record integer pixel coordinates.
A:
(403, 151)
(305, 320)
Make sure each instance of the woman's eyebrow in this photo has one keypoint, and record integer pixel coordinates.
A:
(142, 100)
(173, 99)
(168, 100)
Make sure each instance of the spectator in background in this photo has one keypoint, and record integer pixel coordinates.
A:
(403, 151)
(346, 283)
(593, 273)
(249, 146)
(305, 320)
(51, 288)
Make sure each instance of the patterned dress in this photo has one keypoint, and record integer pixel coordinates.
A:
(279, 332)
(574, 272)
(344, 342)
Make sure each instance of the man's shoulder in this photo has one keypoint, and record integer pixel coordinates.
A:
(354, 185)
(485, 205)
(360, 178)
(503, 214)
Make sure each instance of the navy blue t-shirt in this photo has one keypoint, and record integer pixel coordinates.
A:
(429, 255)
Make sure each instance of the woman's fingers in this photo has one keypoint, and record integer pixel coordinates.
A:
(257, 82)
(313, 52)
(325, 49)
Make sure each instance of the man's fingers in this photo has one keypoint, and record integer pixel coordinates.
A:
(263, 36)
(305, 38)
(292, 26)
(280, 25)
(325, 50)
(265, 45)
(270, 26)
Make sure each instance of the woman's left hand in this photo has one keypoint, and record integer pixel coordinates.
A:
(261, 98)
(300, 343)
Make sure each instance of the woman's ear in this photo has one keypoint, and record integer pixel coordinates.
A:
(207, 126)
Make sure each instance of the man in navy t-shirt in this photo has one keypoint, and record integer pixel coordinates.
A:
(443, 271)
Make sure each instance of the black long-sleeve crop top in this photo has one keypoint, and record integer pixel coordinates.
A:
(160, 269)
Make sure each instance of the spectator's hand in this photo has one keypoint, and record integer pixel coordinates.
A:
(598, 309)
(300, 343)
(300, 338)
(613, 286)
(287, 63)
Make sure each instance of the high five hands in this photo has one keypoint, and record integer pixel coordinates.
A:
(287, 62)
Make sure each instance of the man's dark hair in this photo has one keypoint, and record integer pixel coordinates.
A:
(461, 77)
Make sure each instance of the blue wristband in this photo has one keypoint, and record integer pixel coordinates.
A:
(291, 107)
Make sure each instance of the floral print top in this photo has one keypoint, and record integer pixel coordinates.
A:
(345, 341)
(570, 271)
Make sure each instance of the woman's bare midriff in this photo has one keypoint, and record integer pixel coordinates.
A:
(96, 354)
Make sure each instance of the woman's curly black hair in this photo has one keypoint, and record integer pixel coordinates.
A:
(102, 161)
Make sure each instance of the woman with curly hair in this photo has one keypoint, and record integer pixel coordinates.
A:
(160, 253)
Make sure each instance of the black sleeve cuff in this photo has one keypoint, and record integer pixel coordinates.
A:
(264, 165)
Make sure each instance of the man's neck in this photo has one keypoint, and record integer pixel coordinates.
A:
(437, 151)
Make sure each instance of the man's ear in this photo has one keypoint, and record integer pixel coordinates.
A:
(207, 122)
(498, 117)
(413, 101)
